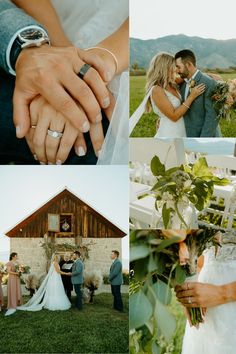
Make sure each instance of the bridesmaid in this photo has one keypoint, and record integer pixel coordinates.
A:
(13, 286)
(1, 293)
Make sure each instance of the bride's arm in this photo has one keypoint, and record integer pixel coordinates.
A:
(206, 295)
(165, 106)
(58, 270)
(44, 13)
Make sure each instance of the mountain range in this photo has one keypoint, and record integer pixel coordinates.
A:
(210, 53)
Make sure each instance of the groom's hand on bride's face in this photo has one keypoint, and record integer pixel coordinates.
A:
(52, 73)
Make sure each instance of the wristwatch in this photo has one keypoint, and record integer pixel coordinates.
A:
(33, 36)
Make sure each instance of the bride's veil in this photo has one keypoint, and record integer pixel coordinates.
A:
(37, 301)
(136, 116)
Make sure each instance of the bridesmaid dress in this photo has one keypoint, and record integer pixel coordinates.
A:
(13, 288)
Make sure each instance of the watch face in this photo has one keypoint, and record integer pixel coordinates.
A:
(31, 34)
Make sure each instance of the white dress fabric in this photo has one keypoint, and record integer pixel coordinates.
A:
(217, 334)
(86, 23)
(168, 128)
(50, 295)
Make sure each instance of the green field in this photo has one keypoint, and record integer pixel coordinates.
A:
(147, 124)
(96, 329)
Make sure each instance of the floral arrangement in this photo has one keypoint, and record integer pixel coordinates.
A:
(179, 187)
(224, 98)
(3, 269)
(22, 269)
(160, 260)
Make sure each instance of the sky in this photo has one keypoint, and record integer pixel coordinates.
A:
(203, 18)
(23, 189)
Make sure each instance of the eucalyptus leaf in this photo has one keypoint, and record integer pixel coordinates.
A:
(167, 242)
(163, 292)
(166, 216)
(138, 251)
(155, 348)
(157, 167)
(140, 309)
(165, 321)
(180, 274)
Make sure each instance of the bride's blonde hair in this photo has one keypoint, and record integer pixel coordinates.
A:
(159, 73)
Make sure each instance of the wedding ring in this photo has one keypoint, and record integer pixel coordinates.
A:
(189, 300)
(54, 134)
(83, 70)
(33, 126)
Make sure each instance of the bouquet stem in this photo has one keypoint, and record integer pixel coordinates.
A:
(196, 315)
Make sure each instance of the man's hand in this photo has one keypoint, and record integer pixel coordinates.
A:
(52, 73)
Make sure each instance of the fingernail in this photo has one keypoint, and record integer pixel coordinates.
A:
(35, 157)
(42, 163)
(98, 153)
(50, 163)
(80, 151)
(58, 162)
(85, 127)
(98, 118)
(106, 102)
(108, 76)
(18, 131)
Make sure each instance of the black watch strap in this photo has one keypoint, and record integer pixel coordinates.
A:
(15, 51)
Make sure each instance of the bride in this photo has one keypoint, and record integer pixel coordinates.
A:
(51, 294)
(216, 292)
(163, 97)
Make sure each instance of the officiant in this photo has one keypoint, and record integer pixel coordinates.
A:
(66, 266)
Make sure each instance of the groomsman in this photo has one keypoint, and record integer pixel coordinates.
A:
(77, 278)
(116, 280)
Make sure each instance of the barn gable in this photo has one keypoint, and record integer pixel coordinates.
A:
(74, 217)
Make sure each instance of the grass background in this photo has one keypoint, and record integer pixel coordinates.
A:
(96, 329)
(147, 124)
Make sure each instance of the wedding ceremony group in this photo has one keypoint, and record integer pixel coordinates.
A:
(63, 264)
(54, 293)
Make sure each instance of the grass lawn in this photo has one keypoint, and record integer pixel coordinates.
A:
(96, 329)
(147, 124)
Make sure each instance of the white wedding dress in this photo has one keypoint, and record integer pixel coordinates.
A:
(50, 295)
(217, 334)
(86, 23)
(167, 128)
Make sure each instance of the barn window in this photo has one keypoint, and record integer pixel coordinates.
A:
(62, 224)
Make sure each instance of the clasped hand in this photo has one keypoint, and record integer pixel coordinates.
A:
(50, 95)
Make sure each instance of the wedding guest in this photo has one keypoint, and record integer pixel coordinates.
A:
(116, 280)
(1, 293)
(13, 286)
(66, 266)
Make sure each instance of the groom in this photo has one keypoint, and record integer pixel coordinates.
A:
(201, 119)
(77, 278)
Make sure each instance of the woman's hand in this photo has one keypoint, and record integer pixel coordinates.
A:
(200, 294)
(197, 91)
(50, 150)
(45, 148)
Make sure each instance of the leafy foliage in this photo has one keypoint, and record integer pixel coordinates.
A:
(153, 275)
(193, 183)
